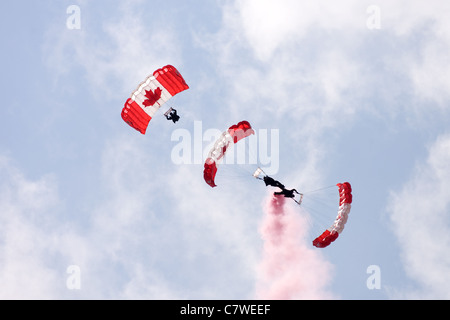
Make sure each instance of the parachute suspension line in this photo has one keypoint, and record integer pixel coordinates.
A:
(170, 108)
(252, 154)
(321, 189)
(166, 113)
(245, 159)
(242, 163)
(320, 202)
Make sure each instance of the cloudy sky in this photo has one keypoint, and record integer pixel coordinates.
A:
(336, 91)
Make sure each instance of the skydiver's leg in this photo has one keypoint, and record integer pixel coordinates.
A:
(287, 193)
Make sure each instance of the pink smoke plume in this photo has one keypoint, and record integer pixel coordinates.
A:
(291, 268)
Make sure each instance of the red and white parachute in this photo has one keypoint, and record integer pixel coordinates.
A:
(150, 95)
(345, 204)
(232, 135)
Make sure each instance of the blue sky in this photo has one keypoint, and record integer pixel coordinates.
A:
(79, 187)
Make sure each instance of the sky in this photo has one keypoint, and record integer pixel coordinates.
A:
(336, 91)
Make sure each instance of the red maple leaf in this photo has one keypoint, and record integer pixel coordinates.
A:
(152, 97)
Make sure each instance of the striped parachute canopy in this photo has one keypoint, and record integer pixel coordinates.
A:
(232, 135)
(345, 204)
(150, 95)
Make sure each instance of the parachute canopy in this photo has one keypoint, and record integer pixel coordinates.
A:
(234, 133)
(331, 234)
(150, 95)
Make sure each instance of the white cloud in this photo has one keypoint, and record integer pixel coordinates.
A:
(321, 59)
(405, 17)
(158, 235)
(426, 26)
(130, 246)
(219, 228)
(420, 214)
(291, 59)
(124, 49)
(120, 250)
(268, 25)
(430, 73)
(33, 248)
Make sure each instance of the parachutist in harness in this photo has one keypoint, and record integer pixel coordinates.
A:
(287, 193)
(172, 115)
(269, 181)
(290, 194)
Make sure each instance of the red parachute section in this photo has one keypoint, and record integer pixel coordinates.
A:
(234, 134)
(150, 95)
(209, 172)
(331, 234)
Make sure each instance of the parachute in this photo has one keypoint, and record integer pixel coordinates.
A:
(150, 95)
(345, 203)
(234, 133)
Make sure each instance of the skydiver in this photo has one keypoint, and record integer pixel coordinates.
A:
(287, 193)
(173, 115)
(269, 181)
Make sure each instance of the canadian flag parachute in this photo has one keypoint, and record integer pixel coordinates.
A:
(150, 95)
(232, 135)
(345, 204)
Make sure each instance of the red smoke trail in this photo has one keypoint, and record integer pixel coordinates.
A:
(291, 268)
